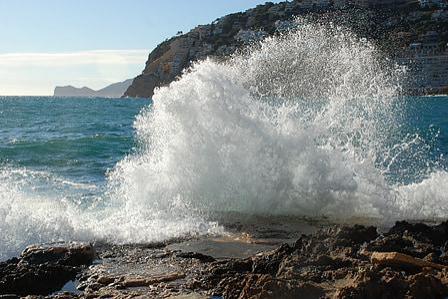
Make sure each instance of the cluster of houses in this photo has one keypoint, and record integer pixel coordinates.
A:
(427, 63)
(310, 4)
(426, 59)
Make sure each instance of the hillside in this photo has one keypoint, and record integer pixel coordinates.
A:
(393, 25)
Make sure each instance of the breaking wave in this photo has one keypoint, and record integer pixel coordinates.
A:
(300, 125)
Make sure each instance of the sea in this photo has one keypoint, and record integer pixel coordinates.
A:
(311, 124)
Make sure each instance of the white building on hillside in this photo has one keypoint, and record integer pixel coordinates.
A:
(433, 3)
(427, 62)
(313, 4)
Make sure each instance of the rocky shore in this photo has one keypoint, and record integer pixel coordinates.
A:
(408, 260)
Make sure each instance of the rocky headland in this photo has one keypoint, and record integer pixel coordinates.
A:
(392, 25)
(409, 260)
(114, 90)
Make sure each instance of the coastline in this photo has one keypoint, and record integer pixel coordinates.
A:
(260, 117)
(316, 260)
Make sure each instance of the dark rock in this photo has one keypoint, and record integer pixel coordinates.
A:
(437, 235)
(266, 286)
(334, 262)
(196, 255)
(424, 285)
(418, 240)
(217, 273)
(270, 262)
(337, 240)
(44, 269)
(70, 255)
(354, 235)
(231, 266)
(369, 284)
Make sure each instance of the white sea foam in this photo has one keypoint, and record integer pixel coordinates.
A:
(299, 125)
(294, 126)
(30, 215)
(27, 217)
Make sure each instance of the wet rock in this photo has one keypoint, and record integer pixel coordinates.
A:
(415, 239)
(354, 235)
(269, 263)
(73, 254)
(93, 287)
(105, 280)
(231, 266)
(44, 269)
(436, 235)
(339, 240)
(196, 255)
(335, 262)
(401, 243)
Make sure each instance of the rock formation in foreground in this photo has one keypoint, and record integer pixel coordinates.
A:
(42, 270)
(409, 261)
(115, 90)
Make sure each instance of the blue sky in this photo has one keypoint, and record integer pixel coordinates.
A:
(90, 42)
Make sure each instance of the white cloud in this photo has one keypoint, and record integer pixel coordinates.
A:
(109, 57)
(39, 73)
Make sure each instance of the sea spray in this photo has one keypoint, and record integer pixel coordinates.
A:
(27, 215)
(307, 123)
(295, 126)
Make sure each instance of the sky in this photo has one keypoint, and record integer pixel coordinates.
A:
(48, 43)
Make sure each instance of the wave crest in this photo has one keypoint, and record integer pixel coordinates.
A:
(300, 125)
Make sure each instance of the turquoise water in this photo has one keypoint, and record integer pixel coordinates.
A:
(79, 139)
(58, 156)
(423, 139)
(74, 139)
(309, 124)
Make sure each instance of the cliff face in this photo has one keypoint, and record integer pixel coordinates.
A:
(220, 38)
(165, 63)
(392, 27)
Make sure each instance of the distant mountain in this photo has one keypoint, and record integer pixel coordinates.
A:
(115, 90)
